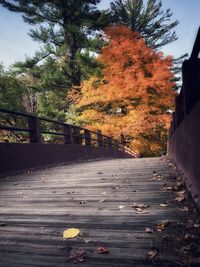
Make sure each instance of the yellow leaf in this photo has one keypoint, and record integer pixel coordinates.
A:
(71, 233)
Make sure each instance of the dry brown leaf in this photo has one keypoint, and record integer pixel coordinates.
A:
(180, 196)
(76, 255)
(82, 202)
(164, 205)
(161, 226)
(102, 200)
(103, 250)
(152, 253)
(139, 210)
(148, 230)
(140, 205)
(168, 188)
(185, 209)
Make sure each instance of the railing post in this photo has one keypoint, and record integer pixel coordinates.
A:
(34, 128)
(105, 143)
(76, 136)
(87, 136)
(100, 138)
(68, 134)
(109, 142)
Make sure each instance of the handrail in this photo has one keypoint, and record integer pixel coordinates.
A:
(190, 91)
(71, 133)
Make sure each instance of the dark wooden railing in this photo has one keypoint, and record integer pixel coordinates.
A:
(70, 134)
(183, 143)
(190, 90)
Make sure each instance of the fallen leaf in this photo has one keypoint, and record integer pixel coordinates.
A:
(185, 209)
(121, 207)
(148, 230)
(140, 205)
(71, 233)
(139, 209)
(76, 255)
(82, 202)
(168, 188)
(103, 250)
(180, 196)
(102, 200)
(99, 172)
(87, 240)
(152, 253)
(161, 226)
(164, 205)
(115, 187)
(186, 249)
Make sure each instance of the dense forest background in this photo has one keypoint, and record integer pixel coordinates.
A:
(101, 69)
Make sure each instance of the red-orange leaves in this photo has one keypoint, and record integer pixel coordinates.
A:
(129, 101)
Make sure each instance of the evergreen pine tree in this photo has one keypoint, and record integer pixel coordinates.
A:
(147, 18)
(65, 30)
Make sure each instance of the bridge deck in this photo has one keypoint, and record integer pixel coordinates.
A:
(96, 197)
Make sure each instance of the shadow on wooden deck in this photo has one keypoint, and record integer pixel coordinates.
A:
(98, 198)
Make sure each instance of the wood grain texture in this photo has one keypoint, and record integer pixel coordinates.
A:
(97, 197)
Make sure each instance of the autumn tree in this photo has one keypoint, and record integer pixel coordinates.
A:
(130, 100)
(154, 24)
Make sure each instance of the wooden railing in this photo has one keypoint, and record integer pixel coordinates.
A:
(190, 90)
(70, 134)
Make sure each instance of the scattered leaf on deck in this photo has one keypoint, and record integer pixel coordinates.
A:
(76, 255)
(103, 250)
(148, 230)
(139, 210)
(185, 209)
(82, 202)
(71, 233)
(164, 205)
(87, 240)
(180, 196)
(152, 253)
(161, 226)
(140, 205)
(102, 200)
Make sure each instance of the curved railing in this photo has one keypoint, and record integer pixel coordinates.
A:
(34, 126)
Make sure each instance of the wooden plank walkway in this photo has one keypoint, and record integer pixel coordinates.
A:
(98, 198)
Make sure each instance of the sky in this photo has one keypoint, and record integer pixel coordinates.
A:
(16, 44)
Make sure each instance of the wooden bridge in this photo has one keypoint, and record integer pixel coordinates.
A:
(130, 211)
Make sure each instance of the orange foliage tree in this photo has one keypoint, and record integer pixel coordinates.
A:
(130, 100)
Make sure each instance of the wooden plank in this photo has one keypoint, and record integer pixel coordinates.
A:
(37, 207)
